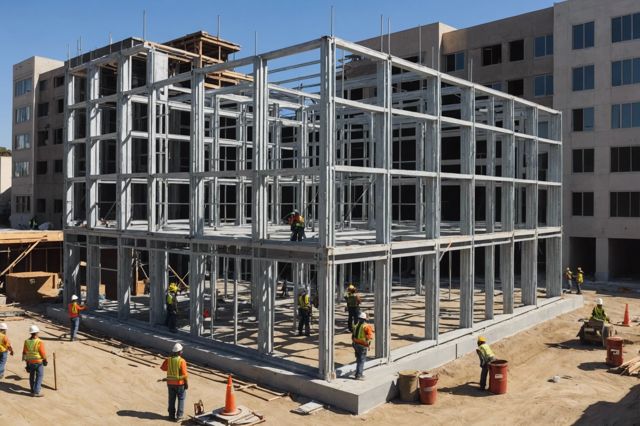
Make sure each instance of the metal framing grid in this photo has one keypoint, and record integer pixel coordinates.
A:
(296, 136)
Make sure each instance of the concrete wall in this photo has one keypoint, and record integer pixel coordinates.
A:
(601, 182)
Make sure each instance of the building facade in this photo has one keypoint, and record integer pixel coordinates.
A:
(580, 57)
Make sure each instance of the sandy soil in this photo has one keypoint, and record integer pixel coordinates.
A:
(96, 386)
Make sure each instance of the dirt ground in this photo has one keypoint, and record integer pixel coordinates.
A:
(97, 386)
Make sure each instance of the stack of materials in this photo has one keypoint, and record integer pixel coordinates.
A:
(629, 368)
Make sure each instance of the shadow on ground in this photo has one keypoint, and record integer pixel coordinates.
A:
(141, 415)
(624, 412)
(467, 389)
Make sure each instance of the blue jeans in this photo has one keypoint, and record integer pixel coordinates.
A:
(36, 374)
(75, 325)
(180, 393)
(3, 361)
(361, 357)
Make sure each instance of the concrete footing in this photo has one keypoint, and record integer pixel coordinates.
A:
(344, 393)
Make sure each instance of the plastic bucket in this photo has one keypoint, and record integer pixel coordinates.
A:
(498, 376)
(428, 389)
(614, 351)
(408, 385)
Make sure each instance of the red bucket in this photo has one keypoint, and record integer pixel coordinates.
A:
(498, 376)
(614, 351)
(428, 389)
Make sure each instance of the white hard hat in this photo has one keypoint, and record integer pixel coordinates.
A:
(3, 326)
(599, 301)
(34, 329)
(362, 315)
(74, 297)
(177, 348)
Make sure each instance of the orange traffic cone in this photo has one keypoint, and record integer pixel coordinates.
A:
(626, 321)
(230, 408)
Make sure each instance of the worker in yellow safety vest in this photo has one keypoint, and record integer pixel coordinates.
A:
(361, 338)
(34, 355)
(579, 280)
(5, 348)
(568, 276)
(486, 356)
(177, 384)
(172, 308)
(353, 306)
(304, 313)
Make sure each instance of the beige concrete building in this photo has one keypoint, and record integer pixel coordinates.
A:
(38, 113)
(581, 57)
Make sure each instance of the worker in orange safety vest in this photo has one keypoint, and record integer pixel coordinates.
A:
(5, 348)
(177, 384)
(361, 339)
(35, 356)
(74, 316)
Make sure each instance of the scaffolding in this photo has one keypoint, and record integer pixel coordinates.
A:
(393, 164)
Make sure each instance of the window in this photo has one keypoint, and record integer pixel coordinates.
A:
(491, 55)
(625, 28)
(583, 35)
(582, 203)
(543, 46)
(57, 166)
(21, 169)
(57, 205)
(543, 129)
(43, 85)
(23, 114)
(454, 62)
(583, 78)
(41, 167)
(58, 81)
(60, 108)
(625, 159)
(41, 205)
(23, 141)
(515, 87)
(583, 160)
(23, 204)
(516, 50)
(43, 137)
(543, 85)
(22, 87)
(625, 72)
(624, 204)
(57, 136)
(495, 86)
(624, 116)
(43, 109)
(583, 119)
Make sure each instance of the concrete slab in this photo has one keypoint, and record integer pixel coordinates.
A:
(344, 393)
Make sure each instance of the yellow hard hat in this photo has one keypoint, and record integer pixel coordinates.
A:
(173, 287)
(482, 339)
(351, 287)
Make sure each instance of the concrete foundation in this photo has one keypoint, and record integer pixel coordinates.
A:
(344, 393)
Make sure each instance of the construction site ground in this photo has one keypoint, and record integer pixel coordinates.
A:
(101, 381)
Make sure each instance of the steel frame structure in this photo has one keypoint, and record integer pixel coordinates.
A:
(296, 135)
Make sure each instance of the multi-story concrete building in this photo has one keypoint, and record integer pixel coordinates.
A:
(38, 112)
(581, 57)
(38, 121)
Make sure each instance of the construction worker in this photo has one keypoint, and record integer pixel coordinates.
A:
(486, 356)
(304, 313)
(33, 223)
(296, 221)
(568, 276)
(598, 312)
(353, 305)
(74, 316)
(172, 308)
(177, 384)
(361, 338)
(35, 357)
(579, 280)
(5, 348)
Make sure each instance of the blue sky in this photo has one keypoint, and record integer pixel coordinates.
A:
(45, 28)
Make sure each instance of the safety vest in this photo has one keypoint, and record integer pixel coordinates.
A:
(4, 343)
(352, 300)
(303, 301)
(580, 278)
(359, 336)
(298, 221)
(33, 351)
(73, 310)
(598, 313)
(486, 353)
(173, 370)
(568, 275)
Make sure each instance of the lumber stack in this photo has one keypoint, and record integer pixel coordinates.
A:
(629, 368)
